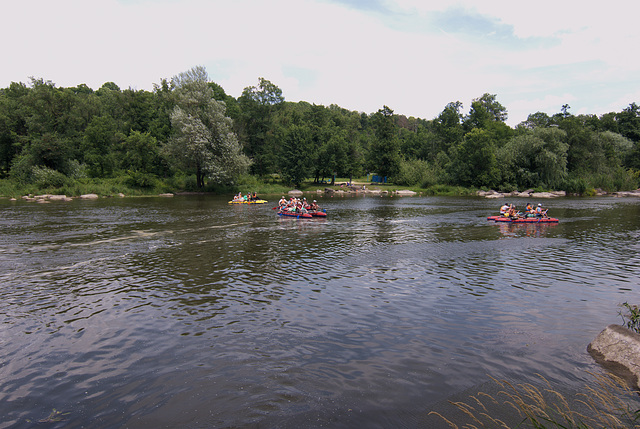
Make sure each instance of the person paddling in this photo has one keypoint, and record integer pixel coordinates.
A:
(513, 213)
(540, 212)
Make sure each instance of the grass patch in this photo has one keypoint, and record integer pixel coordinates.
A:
(607, 402)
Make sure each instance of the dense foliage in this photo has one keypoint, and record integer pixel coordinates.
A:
(188, 127)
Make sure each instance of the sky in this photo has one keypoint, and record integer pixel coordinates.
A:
(414, 56)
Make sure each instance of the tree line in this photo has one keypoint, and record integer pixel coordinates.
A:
(189, 133)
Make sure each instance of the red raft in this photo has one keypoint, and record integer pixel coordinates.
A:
(294, 214)
(318, 213)
(523, 220)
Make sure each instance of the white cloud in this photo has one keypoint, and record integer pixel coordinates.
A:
(414, 57)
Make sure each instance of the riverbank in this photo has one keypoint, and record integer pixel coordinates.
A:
(553, 194)
(116, 187)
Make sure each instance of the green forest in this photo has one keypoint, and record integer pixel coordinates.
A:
(189, 135)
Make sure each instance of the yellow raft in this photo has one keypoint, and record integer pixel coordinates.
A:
(249, 202)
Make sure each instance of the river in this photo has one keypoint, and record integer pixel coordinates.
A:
(190, 312)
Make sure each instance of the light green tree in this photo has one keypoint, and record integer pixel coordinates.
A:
(202, 139)
(474, 161)
(536, 158)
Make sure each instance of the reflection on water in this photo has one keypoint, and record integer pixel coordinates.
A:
(190, 312)
(535, 230)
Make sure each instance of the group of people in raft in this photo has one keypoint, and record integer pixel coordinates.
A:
(248, 197)
(510, 211)
(297, 205)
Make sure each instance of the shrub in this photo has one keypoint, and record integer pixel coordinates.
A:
(191, 184)
(411, 173)
(77, 170)
(137, 179)
(22, 169)
(575, 185)
(625, 180)
(45, 177)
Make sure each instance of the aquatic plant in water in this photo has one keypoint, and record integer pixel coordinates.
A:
(632, 319)
(55, 416)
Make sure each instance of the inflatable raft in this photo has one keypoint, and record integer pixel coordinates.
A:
(294, 214)
(523, 220)
(249, 202)
(318, 213)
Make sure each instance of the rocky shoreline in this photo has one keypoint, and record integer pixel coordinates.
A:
(45, 198)
(353, 190)
(553, 194)
(362, 190)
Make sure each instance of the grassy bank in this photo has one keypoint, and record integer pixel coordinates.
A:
(262, 186)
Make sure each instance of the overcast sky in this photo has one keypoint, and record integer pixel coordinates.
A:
(414, 56)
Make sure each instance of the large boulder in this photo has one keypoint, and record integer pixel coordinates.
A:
(618, 345)
(59, 198)
(295, 193)
(405, 193)
(490, 194)
(50, 197)
(543, 195)
(627, 193)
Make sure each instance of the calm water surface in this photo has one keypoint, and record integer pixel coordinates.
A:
(189, 312)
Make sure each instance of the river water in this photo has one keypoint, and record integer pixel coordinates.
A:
(189, 312)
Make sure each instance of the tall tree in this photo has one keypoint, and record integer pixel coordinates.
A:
(536, 158)
(629, 122)
(536, 120)
(98, 146)
(474, 161)
(259, 105)
(296, 158)
(13, 126)
(203, 139)
(483, 111)
(384, 155)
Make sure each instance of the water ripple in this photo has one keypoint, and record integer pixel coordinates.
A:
(187, 310)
